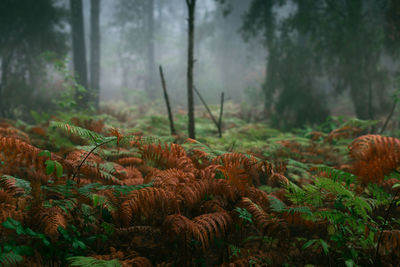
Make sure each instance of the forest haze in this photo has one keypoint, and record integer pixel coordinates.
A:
(291, 63)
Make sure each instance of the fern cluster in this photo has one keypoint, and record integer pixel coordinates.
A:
(116, 199)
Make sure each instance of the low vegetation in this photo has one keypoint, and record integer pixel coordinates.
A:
(77, 192)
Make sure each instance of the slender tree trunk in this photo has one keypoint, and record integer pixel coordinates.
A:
(79, 50)
(95, 51)
(150, 50)
(5, 62)
(191, 5)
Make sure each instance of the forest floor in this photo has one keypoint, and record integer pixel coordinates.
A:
(116, 189)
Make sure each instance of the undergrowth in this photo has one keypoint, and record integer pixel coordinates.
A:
(76, 192)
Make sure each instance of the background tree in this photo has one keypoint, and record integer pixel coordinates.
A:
(95, 51)
(28, 29)
(129, 19)
(151, 69)
(191, 6)
(79, 52)
(342, 40)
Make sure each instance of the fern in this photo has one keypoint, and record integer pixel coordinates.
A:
(78, 131)
(90, 262)
(303, 210)
(338, 175)
(276, 204)
(10, 259)
(297, 170)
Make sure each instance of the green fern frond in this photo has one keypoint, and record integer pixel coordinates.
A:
(302, 210)
(67, 205)
(276, 204)
(92, 262)
(10, 259)
(338, 175)
(297, 170)
(333, 187)
(78, 131)
(203, 147)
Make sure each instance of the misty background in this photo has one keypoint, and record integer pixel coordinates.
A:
(291, 63)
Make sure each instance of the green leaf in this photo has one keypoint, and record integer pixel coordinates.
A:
(244, 214)
(23, 250)
(309, 243)
(10, 223)
(325, 246)
(396, 185)
(50, 166)
(45, 153)
(59, 169)
(349, 263)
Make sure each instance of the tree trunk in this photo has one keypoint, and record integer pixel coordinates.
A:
(79, 51)
(150, 50)
(95, 51)
(5, 62)
(191, 5)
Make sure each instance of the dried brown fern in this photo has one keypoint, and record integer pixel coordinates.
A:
(166, 157)
(170, 178)
(47, 220)
(212, 225)
(268, 225)
(130, 161)
(374, 157)
(238, 169)
(148, 202)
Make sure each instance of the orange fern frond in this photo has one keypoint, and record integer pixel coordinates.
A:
(9, 185)
(200, 158)
(11, 132)
(266, 224)
(130, 161)
(277, 180)
(178, 226)
(48, 220)
(170, 178)
(78, 155)
(207, 173)
(212, 225)
(238, 169)
(133, 173)
(148, 202)
(374, 157)
(343, 132)
(166, 157)
(259, 197)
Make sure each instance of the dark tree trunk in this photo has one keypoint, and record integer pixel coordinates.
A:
(5, 62)
(79, 50)
(191, 5)
(95, 51)
(150, 49)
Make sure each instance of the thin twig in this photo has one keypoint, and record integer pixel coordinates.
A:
(221, 111)
(170, 118)
(206, 106)
(388, 117)
(88, 154)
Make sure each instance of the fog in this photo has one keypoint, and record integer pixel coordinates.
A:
(224, 61)
(298, 62)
